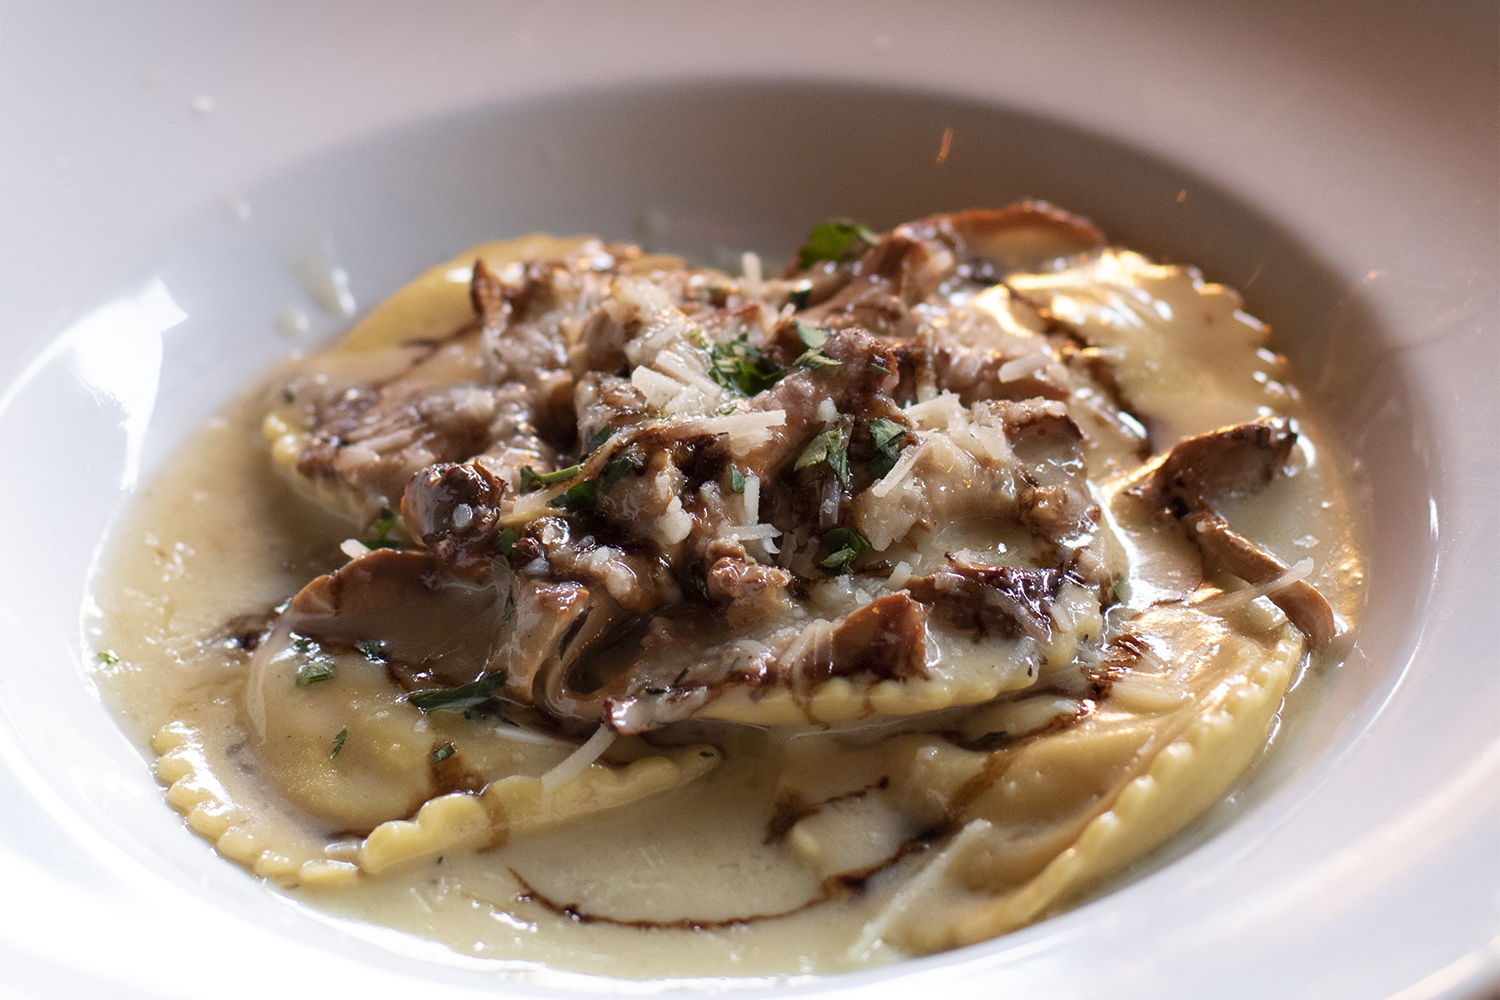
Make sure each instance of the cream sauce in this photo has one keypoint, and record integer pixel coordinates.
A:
(773, 863)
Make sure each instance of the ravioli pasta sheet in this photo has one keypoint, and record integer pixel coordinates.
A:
(592, 608)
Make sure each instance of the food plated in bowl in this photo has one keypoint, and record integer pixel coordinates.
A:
(897, 599)
(1351, 858)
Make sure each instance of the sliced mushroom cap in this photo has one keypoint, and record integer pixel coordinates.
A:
(1022, 236)
(425, 620)
(453, 509)
(1209, 467)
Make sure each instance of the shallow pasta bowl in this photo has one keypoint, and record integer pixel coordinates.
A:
(1359, 862)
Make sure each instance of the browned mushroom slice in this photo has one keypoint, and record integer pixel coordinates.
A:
(1022, 236)
(1208, 467)
(454, 511)
(1304, 606)
(887, 638)
(1202, 469)
(427, 624)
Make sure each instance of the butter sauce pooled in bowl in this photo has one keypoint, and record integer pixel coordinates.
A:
(594, 609)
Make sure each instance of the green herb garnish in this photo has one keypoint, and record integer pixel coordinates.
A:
(836, 240)
(510, 607)
(816, 359)
(316, 665)
(506, 540)
(597, 438)
(811, 335)
(338, 743)
(534, 480)
(457, 699)
(798, 296)
(383, 526)
(736, 479)
(843, 545)
(107, 658)
(876, 366)
(287, 396)
(827, 447)
(888, 437)
(579, 497)
(442, 753)
(618, 467)
(740, 367)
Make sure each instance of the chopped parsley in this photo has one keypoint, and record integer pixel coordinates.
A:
(827, 447)
(441, 754)
(736, 479)
(107, 658)
(579, 497)
(798, 296)
(740, 367)
(506, 540)
(534, 480)
(876, 366)
(618, 467)
(843, 545)
(811, 335)
(287, 396)
(597, 438)
(816, 359)
(373, 649)
(383, 525)
(457, 699)
(888, 437)
(836, 240)
(510, 607)
(338, 743)
(315, 664)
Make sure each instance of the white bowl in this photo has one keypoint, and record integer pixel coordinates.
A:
(166, 165)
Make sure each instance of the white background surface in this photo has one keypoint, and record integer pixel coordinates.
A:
(1366, 133)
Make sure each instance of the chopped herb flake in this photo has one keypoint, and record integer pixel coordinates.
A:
(384, 523)
(316, 665)
(107, 658)
(836, 240)
(442, 753)
(736, 479)
(810, 335)
(579, 497)
(533, 480)
(510, 606)
(1120, 591)
(816, 359)
(459, 698)
(843, 545)
(827, 447)
(597, 438)
(876, 366)
(373, 649)
(338, 743)
(618, 467)
(740, 367)
(798, 296)
(888, 438)
(287, 396)
(506, 540)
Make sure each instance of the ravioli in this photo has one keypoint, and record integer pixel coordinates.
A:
(920, 558)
